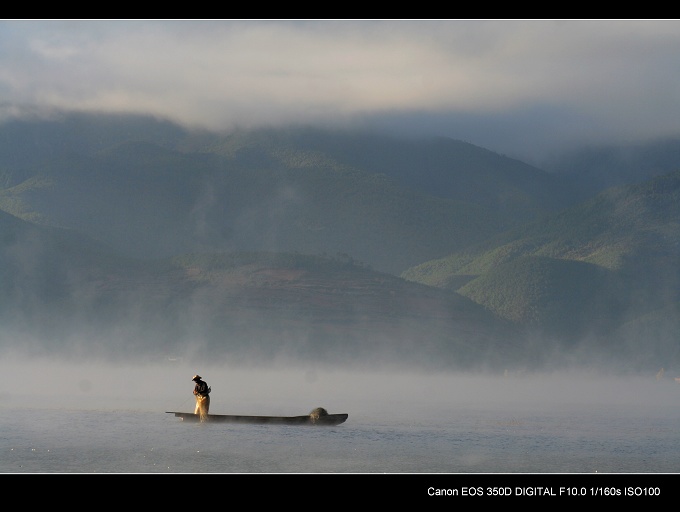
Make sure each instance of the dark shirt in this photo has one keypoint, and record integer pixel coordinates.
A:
(201, 388)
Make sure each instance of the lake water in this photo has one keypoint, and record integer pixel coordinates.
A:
(89, 420)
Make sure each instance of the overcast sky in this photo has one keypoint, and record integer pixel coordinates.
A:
(523, 88)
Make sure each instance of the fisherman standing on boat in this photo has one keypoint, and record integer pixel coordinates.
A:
(202, 392)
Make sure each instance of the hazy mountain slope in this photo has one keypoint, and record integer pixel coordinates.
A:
(597, 277)
(556, 297)
(582, 272)
(28, 143)
(283, 305)
(436, 166)
(51, 281)
(68, 296)
(152, 189)
(619, 227)
(147, 201)
(649, 339)
(596, 168)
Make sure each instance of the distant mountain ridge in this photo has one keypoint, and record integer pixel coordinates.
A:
(142, 236)
(266, 190)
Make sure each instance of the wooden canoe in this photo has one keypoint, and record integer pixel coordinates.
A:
(308, 419)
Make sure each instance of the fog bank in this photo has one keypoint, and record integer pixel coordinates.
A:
(294, 390)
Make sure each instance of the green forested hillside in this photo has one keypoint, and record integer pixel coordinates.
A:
(580, 274)
(559, 297)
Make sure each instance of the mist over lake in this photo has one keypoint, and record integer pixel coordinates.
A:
(59, 417)
(293, 389)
